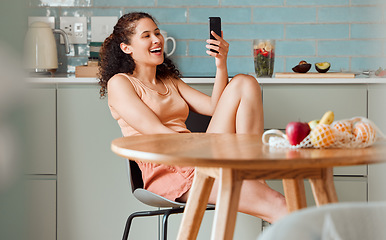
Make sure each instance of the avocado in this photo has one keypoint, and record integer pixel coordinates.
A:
(302, 67)
(322, 67)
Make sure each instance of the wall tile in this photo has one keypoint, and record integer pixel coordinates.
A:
(197, 48)
(368, 31)
(317, 31)
(196, 66)
(295, 48)
(174, 3)
(348, 33)
(164, 15)
(350, 14)
(181, 48)
(368, 2)
(350, 48)
(179, 31)
(240, 48)
(236, 48)
(367, 63)
(89, 12)
(279, 65)
(123, 3)
(252, 31)
(252, 3)
(286, 15)
(317, 2)
(238, 65)
(59, 3)
(43, 12)
(228, 15)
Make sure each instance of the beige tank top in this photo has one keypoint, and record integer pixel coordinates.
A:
(170, 107)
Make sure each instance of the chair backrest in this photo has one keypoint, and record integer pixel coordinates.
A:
(143, 195)
(195, 123)
(135, 175)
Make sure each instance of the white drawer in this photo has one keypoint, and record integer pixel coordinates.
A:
(287, 103)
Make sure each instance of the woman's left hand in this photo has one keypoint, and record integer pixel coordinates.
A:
(221, 46)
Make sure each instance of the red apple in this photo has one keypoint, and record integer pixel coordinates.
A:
(297, 131)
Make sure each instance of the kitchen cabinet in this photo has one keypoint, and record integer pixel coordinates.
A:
(94, 196)
(41, 209)
(41, 130)
(41, 162)
(305, 102)
(81, 189)
(302, 102)
(348, 189)
(377, 113)
(286, 103)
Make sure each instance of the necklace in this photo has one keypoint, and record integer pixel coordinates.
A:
(144, 85)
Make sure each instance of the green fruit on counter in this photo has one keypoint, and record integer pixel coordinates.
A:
(322, 67)
(302, 67)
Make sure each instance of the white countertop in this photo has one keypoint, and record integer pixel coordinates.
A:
(71, 79)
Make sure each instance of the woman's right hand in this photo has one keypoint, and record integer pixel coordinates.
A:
(221, 46)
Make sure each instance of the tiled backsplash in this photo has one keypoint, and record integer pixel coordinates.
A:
(351, 34)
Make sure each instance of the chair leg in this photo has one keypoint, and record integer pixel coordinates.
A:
(165, 226)
(165, 212)
(132, 216)
(146, 214)
(165, 220)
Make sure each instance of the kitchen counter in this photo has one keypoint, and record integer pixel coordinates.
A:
(71, 79)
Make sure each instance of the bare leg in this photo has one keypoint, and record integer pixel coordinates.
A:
(257, 199)
(240, 110)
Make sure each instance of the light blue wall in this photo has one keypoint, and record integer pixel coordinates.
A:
(350, 34)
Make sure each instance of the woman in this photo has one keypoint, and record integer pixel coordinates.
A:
(146, 96)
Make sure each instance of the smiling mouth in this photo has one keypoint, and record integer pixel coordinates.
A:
(155, 50)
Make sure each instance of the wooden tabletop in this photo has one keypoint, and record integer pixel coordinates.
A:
(239, 151)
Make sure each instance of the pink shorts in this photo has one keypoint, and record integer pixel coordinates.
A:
(170, 182)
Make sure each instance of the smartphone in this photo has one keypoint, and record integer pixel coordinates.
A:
(215, 26)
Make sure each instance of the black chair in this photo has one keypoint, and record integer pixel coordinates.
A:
(152, 199)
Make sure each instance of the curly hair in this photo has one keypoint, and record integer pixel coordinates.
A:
(114, 60)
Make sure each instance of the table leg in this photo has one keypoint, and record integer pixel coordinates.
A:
(324, 188)
(195, 207)
(226, 205)
(295, 194)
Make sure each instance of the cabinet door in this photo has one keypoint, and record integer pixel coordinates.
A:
(247, 227)
(348, 189)
(41, 130)
(94, 196)
(377, 113)
(287, 103)
(41, 209)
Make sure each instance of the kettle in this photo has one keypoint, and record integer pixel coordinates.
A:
(40, 48)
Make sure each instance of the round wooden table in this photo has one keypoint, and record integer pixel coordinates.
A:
(232, 158)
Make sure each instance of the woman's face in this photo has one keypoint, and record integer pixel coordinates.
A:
(147, 43)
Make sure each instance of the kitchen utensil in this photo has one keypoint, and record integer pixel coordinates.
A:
(165, 34)
(40, 48)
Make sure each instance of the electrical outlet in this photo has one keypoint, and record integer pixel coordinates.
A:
(76, 29)
(102, 27)
(49, 20)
